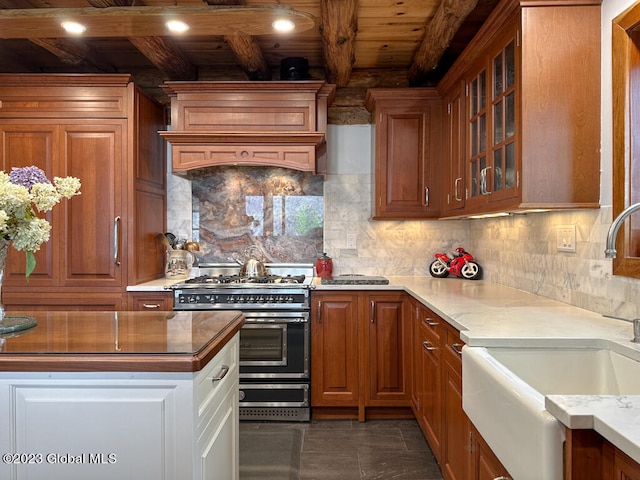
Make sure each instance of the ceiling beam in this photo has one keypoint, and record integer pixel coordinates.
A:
(166, 57)
(141, 21)
(246, 49)
(338, 28)
(446, 21)
(160, 51)
(73, 53)
(68, 51)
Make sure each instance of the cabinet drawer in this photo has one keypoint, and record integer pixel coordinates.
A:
(214, 378)
(431, 326)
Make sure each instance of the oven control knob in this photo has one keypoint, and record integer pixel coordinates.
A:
(261, 299)
(241, 395)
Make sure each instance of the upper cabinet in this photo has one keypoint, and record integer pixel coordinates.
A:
(102, 130)
(278, 124)
(408, 141)
(626, 138)
(523, 117)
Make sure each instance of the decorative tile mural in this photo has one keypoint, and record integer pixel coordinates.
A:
(278, 210)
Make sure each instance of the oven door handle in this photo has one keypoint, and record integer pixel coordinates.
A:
(224, 369)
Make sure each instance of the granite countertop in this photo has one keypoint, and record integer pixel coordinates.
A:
(489, 314)
(118, 341)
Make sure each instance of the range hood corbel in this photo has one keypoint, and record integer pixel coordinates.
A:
(279, 124)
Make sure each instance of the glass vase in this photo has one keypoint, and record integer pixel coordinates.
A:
(10, 323)
(4, 250)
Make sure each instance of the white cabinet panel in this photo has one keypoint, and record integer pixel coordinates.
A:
(95, 431)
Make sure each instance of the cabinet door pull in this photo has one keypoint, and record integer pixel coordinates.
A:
(483, 181)
(373, 311)
(224, 369)
(429, 321)
(151, 306)
(455, 189)
(319, 311)
(428, 346)
(457, 347)
(116, 240)
(426, 196)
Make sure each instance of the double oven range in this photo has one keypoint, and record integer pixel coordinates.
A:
(275, 339)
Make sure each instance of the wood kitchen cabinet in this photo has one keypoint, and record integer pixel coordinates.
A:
(359, 351)
(458, 447)
(589, 456)
(103, 130)
(484, 463)
(408, 141)
(386, 349)
(454, 190)
(532, 130)
(428, 338)
(161, 301)
(455, 455)
(335, 356)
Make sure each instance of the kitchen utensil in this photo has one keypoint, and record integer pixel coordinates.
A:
(252, 267)
(171, 237)
(164, 240)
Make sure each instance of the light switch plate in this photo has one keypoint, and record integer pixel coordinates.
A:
(566, 238)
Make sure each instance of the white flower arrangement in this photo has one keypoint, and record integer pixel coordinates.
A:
(23, 192)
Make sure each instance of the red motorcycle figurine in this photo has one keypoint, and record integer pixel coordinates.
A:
(461, 265)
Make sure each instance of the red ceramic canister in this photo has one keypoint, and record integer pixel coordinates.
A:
(324, 266)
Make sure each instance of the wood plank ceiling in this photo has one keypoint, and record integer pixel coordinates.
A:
(356, 44)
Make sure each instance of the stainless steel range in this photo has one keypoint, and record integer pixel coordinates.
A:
(274, 342)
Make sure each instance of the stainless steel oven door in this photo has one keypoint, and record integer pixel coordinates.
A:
(274, 345)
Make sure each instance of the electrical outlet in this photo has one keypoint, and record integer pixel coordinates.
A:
(351, 240)
(566, 238)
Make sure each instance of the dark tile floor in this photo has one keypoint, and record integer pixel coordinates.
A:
(336, 450)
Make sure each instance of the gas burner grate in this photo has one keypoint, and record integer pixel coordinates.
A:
(237, 279)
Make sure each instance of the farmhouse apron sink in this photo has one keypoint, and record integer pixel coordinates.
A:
(504, 390)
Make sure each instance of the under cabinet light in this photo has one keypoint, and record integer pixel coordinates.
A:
(73, 27)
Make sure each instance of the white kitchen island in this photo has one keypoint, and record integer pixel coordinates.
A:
(127, 395)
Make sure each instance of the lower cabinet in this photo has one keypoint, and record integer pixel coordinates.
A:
(79, 425)
(141, 301)
(484, 463)
(383, 349)
(428, 336)
(455, 462)
(589, 456)
(436, 398)
(335, 363)
(359, 350)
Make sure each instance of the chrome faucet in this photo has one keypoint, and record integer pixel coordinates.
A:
(610, 250)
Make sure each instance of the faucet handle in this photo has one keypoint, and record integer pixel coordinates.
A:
(636, 330)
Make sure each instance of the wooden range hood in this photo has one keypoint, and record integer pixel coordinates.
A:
(277, 124)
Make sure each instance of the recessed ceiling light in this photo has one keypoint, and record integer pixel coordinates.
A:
(73, 27)
(176, 26)
(283, 25)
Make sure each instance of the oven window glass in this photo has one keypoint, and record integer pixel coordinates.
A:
(263, 345)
